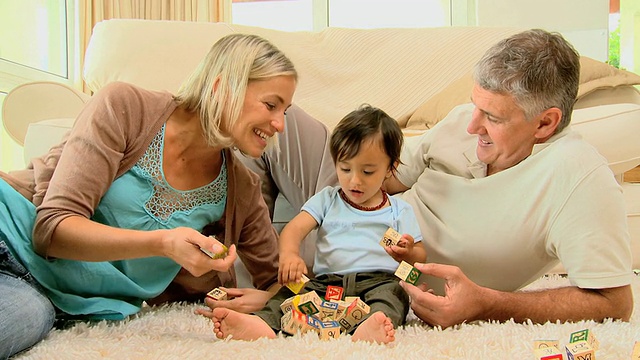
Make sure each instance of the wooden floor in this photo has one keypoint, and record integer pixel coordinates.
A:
(632, 175)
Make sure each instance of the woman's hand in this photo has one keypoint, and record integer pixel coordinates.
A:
(291, 268)
(241, 300)
(183, 246)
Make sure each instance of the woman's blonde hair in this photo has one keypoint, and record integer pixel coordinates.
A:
(232, 62)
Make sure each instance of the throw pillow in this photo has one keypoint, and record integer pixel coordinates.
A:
(594, 75)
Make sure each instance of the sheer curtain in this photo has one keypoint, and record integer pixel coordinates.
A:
(90, 12)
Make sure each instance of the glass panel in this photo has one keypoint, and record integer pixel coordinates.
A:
(34, 34)
(287, 15)
(364, 14)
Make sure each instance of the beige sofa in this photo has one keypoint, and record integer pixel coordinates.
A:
(416, 75)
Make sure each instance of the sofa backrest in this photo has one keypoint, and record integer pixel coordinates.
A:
(339, 69)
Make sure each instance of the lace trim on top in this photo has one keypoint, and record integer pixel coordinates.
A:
(165, 200)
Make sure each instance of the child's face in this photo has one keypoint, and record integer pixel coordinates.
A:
(362, 176)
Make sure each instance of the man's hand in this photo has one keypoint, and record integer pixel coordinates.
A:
(463, 300)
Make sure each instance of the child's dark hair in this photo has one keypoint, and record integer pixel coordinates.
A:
(363, 124)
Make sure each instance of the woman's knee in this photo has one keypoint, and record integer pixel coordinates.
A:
(27, 315)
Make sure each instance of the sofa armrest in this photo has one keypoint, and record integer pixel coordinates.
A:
(37, 101)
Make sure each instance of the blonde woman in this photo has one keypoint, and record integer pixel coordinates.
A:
(119, 212)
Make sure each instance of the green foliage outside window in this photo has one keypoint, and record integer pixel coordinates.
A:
(614, 48)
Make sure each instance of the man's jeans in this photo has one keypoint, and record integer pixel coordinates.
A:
(26, 314)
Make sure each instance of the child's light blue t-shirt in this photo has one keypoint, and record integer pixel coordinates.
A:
(348, 239)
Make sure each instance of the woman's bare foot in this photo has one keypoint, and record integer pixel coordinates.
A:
(376, 328)
(240, 326)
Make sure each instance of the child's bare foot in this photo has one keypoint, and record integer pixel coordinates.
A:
(240, 326)
(376, 328)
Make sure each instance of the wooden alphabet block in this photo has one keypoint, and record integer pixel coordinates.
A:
(408, 273)
(580, 350)
(308, 308)
(539, 344)
(329, 330)
(635, 354)
(334, 293)
(294, 321)
(390, 237)
(287, 305)
(548, 353)
(353, 315)
(340, 311)
(217, 294)
(328, 310)
(297, 286)
(587, 336)
(213, 255)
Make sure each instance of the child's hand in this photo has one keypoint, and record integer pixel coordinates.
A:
(401, 251)
(291, 268)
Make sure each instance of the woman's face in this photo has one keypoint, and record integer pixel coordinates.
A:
(262, 116)
(505, 136)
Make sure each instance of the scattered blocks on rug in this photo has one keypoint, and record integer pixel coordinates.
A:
(390, 237)
(408, 273)
(305, 312)
(297, 286)
(217, 294)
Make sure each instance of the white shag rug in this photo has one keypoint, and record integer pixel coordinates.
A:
(174, 332)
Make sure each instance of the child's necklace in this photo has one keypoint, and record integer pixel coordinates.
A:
(365, 208)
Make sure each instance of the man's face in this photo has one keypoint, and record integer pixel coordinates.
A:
(505, 136)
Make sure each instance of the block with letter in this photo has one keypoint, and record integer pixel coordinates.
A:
(586, 335)
(408, 273)
(328, 310)
(538, 344)
(294, 321)
(308, 308)
(287, 305)
(390, 237)
(297, 286)
(334, 293)
(354, 314)
(580, 350)
(330, 330)
(548, 353)
(217, 294)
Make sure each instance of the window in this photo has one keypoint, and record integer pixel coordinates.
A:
(42, 51)
(309, 15)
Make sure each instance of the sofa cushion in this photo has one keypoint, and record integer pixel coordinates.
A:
(594, 76)
(43, 135)
(613, 130)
